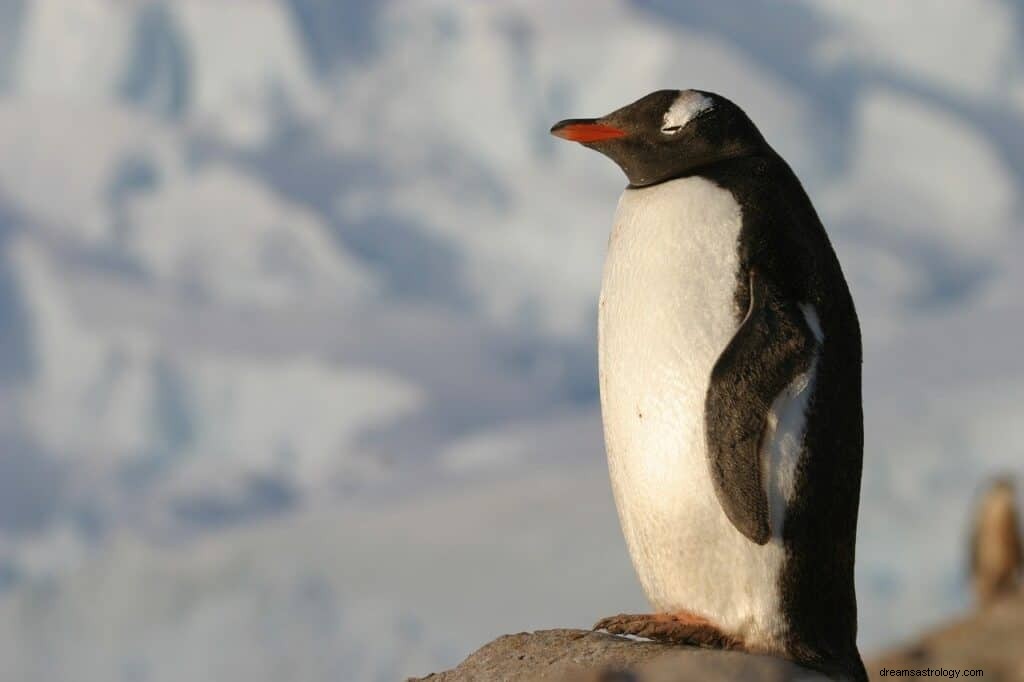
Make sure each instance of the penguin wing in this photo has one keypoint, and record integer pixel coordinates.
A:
(772, 347)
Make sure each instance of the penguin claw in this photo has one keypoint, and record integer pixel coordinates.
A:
(672, 628)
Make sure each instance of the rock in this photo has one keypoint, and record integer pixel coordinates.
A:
(585, 656)
(991, 640)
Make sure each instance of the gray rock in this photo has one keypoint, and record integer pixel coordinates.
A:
(990, 639)
(585, 656)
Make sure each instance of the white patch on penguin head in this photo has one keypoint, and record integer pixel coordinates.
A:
(687, 106)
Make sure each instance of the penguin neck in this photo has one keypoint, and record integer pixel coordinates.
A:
(697, 166)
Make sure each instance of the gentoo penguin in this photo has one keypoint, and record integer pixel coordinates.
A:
(730, 381)
(996, 555)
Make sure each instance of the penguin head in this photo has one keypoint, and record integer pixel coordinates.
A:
(667, 134)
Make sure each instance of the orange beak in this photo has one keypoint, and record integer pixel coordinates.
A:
(585, 130)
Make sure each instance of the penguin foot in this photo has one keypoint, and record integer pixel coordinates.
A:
(674, 628)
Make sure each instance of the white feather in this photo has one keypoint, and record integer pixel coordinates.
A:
(666, 314)
(687, 106)
(784, 435)
(811, 316)
(783, 444)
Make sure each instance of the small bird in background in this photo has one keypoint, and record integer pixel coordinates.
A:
(730, 378)
(996, 553)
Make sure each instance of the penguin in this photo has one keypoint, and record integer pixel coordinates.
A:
(995, 551)
(730, 382)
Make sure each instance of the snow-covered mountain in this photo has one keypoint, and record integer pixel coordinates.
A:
(297, 307)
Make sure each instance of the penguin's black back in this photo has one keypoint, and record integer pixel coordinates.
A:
(783, 238)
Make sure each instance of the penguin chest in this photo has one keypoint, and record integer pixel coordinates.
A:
(667, 311)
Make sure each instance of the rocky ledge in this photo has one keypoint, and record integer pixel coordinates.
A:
(585, 656)
(990, 640)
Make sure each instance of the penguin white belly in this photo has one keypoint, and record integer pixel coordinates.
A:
(667, 311)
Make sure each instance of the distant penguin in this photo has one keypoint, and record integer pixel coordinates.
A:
(996, 554)
(730, 381)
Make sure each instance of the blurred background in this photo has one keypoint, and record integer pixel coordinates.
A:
(297, 312)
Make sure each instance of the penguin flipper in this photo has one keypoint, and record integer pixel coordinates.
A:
(772, 347)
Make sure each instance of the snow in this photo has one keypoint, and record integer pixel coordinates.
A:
(245, 69)
(219, 232)
(98, 390)
(71, 148)
(932, 150)
(84, 62)
(297, 313)
(898, 38)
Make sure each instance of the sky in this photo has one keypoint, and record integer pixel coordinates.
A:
(298, 304)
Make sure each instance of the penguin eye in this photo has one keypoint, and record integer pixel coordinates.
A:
(671, 130)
